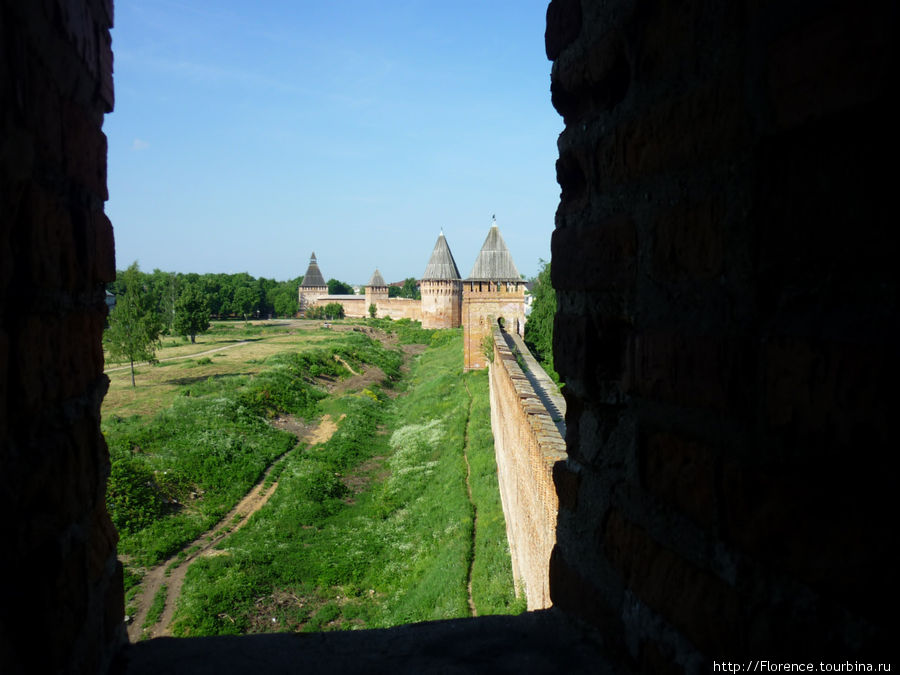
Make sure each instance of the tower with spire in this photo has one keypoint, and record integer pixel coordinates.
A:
(493, 292)
(376, 291)
(313, 286)
(441, 288)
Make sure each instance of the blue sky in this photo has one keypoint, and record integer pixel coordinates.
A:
(246, 135)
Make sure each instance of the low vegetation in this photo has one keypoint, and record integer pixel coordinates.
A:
(372, 528)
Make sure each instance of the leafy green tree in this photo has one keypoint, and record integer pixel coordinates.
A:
(191, 313)
(334, 310)
(372, 310)
(285, 302)
(410, 289)
(134, 327)
(393, 291)
(539, 327)
(245, 300)
(336, 287)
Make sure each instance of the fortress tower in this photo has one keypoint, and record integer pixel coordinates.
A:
(441, 288)
(313, 286)
(376, 290)
(493, 291)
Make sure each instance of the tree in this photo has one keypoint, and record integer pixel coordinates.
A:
(373, 309)
(285, 302)
(191, 312)
(410, 289)
(245, 299)
(336, 287)
(334, 310)
(539, 327)
(133, 332)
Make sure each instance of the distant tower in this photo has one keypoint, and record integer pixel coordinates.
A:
(441, 289)
(376, 290)
(313, 286)
(493, 291)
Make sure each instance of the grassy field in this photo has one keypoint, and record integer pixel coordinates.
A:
(242, 351)
(373, 528)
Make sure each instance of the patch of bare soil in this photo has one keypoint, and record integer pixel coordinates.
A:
(362, 476)
(205, 544)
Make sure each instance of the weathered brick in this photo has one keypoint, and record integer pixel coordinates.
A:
(710, 123)
(694, 600)
(563, 25)
(599, 257)
(85, 150)
(575, 595)
(821, 392)
(567, 483)
(681, 473)
(688, 241)
(808, 520)
(599, 85)
(840, 60)
(706, 371)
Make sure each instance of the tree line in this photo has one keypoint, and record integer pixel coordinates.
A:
(157, 303)
(239, 295)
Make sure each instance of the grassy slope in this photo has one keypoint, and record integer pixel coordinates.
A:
(391, 548)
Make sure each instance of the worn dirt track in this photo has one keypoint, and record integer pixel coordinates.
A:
(204, 545)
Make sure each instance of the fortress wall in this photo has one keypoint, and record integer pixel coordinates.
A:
(480, 311)
(441, 304)
(727, 327)
(398, 308)
(62, 604)
(527, 445)
(358, 308)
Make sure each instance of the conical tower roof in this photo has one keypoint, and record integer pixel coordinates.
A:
(441, 265)
(494, 262)
(377, 279)
(313, 276)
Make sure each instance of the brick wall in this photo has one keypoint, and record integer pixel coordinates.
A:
(399, 308)
(441, 304)
(527, 444)
(61, 583)
(483, 303)
(727, 326)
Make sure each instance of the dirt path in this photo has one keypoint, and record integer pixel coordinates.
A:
(472, 608)
(204, 545)
(185, 356)
(345, 364)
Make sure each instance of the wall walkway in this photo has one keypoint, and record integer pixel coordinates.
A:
(527, 418)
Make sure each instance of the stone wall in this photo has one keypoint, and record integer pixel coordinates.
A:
(394, 308)
(483, 303)
(527, 443)
(727, 326)
(62, 605)
(399, 308)
(441, 303)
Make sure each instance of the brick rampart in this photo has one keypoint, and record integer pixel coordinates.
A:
(727, 327)
(61, 598)
(358, 308)
(483, 304)
(399, 308)
(527, 443)
(441, 303)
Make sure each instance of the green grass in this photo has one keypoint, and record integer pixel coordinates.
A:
(156, 607)
(373, 528)
(176, 473)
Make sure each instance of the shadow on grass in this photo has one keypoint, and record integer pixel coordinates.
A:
(181, 381)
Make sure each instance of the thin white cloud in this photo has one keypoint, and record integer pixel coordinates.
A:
(138, 144)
